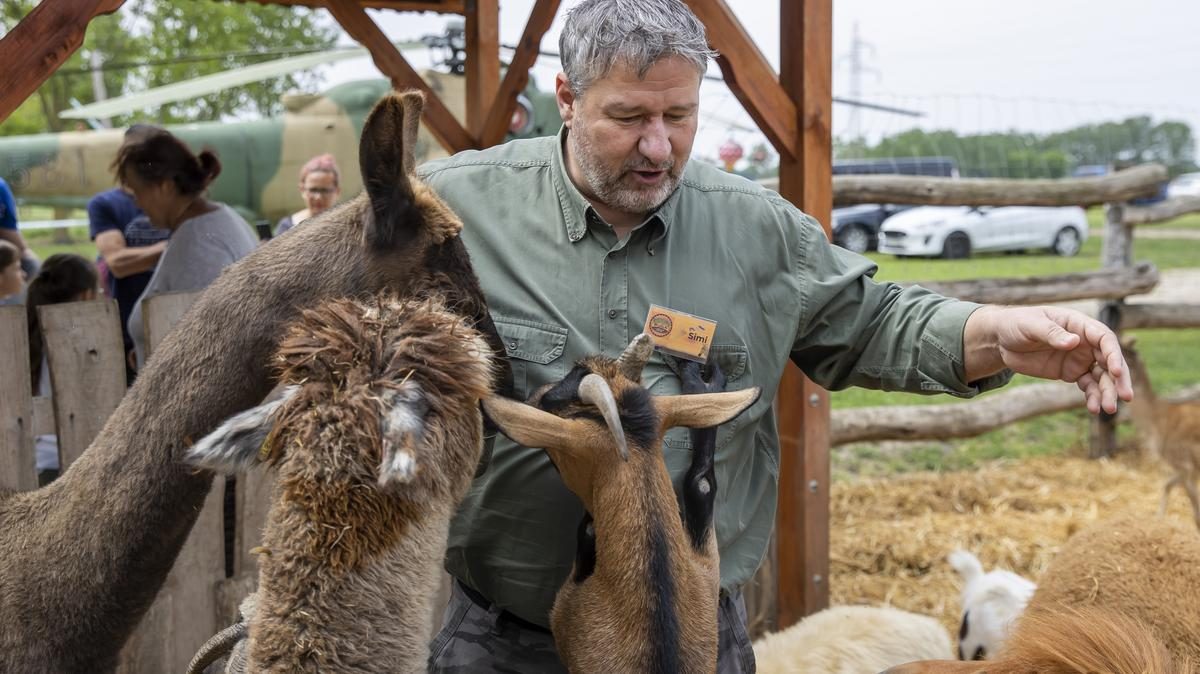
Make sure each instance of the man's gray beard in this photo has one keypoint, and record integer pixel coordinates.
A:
(608, 188)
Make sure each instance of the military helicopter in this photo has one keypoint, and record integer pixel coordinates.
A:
(260, 158)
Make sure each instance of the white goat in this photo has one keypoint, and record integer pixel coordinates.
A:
(852, 640)
(991, 602)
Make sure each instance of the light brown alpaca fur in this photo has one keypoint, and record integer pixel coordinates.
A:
(1169, 431)
(650, 602)
(374, 451)
(82, 558)
(1123, 596)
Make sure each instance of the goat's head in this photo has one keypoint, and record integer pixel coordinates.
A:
(381, 393)
(599, 416)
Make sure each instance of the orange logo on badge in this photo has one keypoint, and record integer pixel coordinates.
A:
(660, 325)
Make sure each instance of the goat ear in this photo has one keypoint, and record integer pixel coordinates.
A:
(386, 159)
(403, 427)
(531, 427)
(704, 410)
(236, 443)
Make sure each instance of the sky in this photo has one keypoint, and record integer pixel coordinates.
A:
(967, 65)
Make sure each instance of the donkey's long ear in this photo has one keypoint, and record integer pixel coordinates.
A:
(704, 410)
(530, 426)
(386, 159)
(235, 445)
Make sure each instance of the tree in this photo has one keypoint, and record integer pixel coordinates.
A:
(149, 43)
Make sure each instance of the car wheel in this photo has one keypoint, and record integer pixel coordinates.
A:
(855, 238)
(956, 247)
(1066, 242)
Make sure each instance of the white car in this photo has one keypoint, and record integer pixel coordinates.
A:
(954, 232)
(1186, 185)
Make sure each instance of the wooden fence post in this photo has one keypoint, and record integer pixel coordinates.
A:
(87, 370)
(1117, 254)
(184, 615)
(17, 470)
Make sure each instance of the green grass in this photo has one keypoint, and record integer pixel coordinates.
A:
(1164, 253)
(1095, 218)
(45, 242)
(1172, 356)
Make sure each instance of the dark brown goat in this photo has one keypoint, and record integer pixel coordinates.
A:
(374, 445)
(82, 558)
(643, 594)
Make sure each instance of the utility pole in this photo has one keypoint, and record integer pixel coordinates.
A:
(857, 68)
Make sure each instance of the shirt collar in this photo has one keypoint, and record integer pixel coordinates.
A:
(576, 209)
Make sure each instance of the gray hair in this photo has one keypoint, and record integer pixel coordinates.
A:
(600, 33)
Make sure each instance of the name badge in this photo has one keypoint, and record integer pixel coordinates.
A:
(680, 334)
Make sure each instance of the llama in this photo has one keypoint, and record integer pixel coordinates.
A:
(1121, 597)
(642, 596)
(852, 640)
(375, 443)
(991, 603)
(82, 558)
(1170, 431)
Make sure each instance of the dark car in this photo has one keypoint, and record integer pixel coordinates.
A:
(856, 228)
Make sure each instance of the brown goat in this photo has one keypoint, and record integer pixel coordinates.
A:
(642, 596)
(1121, 597)
(82, 558)
(1170, 432)
(374, 445)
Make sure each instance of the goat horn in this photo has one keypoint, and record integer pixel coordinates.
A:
(595, 391)
(633, 360)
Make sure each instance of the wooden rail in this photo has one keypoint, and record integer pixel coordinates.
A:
(1101, 284)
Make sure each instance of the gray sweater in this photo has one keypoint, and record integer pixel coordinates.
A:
(196, 253)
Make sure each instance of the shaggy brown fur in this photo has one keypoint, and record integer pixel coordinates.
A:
(82, 558)
(1064, 641)
(642, 597)
(350, 567)
(1119, 597)
(1169, 431)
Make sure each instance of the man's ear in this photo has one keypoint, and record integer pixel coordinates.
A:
(565, 98)
(236, 443)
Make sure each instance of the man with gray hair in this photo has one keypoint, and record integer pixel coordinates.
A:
(574, 237)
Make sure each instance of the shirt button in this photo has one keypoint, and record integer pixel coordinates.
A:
(612, 313)
(512, 345)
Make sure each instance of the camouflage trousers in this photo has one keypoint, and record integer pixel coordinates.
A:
(476, 637)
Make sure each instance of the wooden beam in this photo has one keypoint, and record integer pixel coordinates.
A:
(443, 7)
(802, 520)
(483, 60)
(496, 125)
(1147, 315)
(442, 124)
(1162, 211)
(749, 75)
(40, 43)
(1103, 284)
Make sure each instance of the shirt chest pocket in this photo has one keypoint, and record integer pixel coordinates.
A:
(534, 350)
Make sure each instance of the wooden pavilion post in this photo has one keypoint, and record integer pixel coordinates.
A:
(40, 43)
(483, 60)
(802, 521)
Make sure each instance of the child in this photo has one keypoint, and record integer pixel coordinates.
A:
(12, 277)
(62, 278)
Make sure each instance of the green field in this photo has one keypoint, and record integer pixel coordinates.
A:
(45, 242)
(1095, 218)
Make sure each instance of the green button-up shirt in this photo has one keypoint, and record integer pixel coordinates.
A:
(561, 286)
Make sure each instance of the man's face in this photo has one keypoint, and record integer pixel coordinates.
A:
(630, 137)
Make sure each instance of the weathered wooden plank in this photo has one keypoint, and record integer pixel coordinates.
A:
(1146, 315)
(87, 370)
(1117, 256)
(1139, 181)
(43, 416)
(185, 612)
(442, 123)
(802, 520)
(952, 420)
(483, 60)
(160, 313)
(1100, 284)
(40, 43)
(749, 75)
(1162, 211)
(517, 76)
(442, 7)
(253, 505)
(17, 424)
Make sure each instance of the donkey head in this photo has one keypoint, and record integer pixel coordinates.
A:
(382, 393)
(600, 414)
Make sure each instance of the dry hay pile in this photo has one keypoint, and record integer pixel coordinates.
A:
(890, 537)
